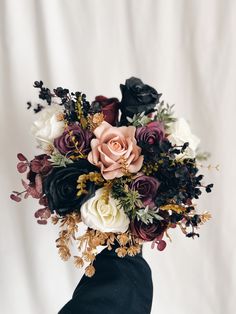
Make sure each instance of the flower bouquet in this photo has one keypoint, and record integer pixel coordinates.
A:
(126, 169)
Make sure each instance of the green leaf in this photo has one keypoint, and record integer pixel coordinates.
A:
(139, 119)
(165, 114)
(146, 215)
(59, 160)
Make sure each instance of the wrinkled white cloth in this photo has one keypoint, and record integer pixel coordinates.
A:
(186, 50)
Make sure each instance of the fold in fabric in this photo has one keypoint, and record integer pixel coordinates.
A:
(119, 286)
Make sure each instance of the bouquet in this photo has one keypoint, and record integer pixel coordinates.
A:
(126, 169)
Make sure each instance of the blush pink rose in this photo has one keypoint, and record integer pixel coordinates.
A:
(115, 151)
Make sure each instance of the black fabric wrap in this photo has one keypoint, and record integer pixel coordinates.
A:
(119, 286)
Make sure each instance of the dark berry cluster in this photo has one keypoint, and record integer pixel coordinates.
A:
(69, 100)
(180, 181)
(44, 92)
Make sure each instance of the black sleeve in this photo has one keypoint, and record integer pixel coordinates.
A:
(119, 286)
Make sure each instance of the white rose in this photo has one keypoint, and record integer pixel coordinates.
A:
(98, 215)
(180, 133)
(49, 125)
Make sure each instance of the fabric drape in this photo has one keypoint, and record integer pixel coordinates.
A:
(186, 50)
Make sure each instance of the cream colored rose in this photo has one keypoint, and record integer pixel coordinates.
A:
(180, 133)
(98, 215)
(49, 125)
(115, 151)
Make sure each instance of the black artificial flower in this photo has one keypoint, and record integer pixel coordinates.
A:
(60, 187)
(179, 181)
(44, 93)
(137, 98)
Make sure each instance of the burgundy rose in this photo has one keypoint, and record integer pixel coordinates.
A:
(148, 232)
(109, 107)
(147, 188)
(150, 136)
(74, 139)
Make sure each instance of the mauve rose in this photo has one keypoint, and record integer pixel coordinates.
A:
(147, 188)
(150, 136)
(81, 137)
(148, 232)
(115, 151)
(109, 107)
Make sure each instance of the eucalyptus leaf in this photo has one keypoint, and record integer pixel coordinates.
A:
(60, 160)
(146, 215)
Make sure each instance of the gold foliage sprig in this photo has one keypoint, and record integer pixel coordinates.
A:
(88, 243)
(80, 114)
(95, 177)
(106, 191)
(95, 120)
(176, 208)
(205, 217)
(69, 227)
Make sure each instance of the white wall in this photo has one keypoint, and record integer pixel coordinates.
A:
(184, 48)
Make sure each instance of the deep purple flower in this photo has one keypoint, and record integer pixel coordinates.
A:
(148, 232)
(147, 188)
(74, 139)
(150, 136)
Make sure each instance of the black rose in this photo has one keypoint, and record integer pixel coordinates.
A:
(137, 98)
(60, 187)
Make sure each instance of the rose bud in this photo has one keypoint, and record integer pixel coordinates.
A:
(109, 108)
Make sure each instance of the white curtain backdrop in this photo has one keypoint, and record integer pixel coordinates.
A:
(184, 48)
